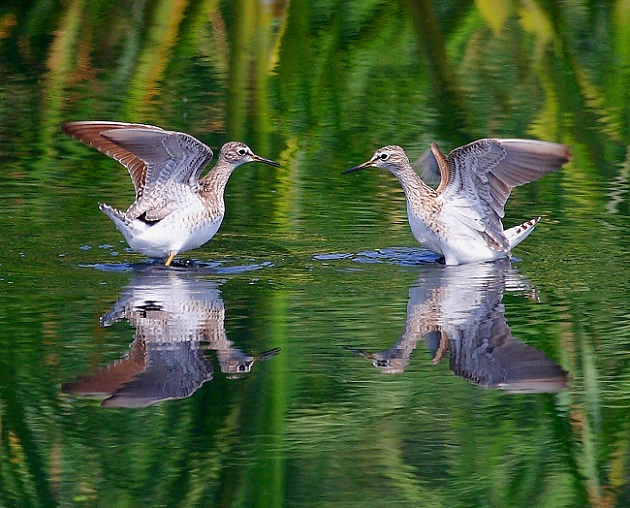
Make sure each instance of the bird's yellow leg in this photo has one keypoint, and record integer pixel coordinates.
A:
(170, 258)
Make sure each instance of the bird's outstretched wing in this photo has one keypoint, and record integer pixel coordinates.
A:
(477, 178)
(170, 156)
(157, 161)
(90, 133)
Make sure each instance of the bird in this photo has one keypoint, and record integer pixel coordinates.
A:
(460, 220)
(175, 319)
(458, 311)
(174, 211)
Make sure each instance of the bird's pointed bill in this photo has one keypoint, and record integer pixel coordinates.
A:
(265, 355)
(258, 158)
(360, 352)
(367, 164)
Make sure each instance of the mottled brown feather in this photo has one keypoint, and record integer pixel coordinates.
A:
(90, 133)
(173, 157)
(491, 168)
(443, 166)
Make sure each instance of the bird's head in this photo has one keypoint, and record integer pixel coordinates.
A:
(237, 153)
(391, 158)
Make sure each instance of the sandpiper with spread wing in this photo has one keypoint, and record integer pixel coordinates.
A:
(461, 219)
(174, 211)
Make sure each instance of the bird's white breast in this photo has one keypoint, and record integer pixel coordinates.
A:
(184, 229)
(453, 236)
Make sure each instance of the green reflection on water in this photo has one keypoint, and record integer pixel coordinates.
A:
(317, 86)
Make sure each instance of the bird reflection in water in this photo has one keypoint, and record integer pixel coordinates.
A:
(176, 318)
(458, 310)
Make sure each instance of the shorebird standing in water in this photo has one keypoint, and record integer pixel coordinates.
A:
(174, 210)
(461, 219)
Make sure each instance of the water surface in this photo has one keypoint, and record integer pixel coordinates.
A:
(312, 354)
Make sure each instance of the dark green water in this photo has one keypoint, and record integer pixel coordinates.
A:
(399, 382)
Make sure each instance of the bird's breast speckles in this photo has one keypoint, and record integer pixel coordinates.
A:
(214, 205)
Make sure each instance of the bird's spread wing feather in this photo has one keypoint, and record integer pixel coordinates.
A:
(164, 165)
(169, 156)
(90, 133)
(478, 178)
(174, 162)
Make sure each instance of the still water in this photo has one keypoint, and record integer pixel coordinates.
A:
(312, 354)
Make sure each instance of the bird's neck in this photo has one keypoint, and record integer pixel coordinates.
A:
(412, 183)
(216, 180)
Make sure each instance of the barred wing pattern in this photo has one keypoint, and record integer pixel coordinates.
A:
(477, 179)
(164, 165)
(90, 133)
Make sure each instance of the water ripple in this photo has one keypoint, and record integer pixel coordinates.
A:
(404, 256)
(190, 266)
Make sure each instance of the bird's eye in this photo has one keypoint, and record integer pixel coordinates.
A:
(241, 151)
(383, 156)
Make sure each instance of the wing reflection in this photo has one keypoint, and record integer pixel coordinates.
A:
(175, 318)
(458, 310)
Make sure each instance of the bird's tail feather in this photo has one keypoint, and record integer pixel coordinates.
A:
(518, 233)
(113, 213)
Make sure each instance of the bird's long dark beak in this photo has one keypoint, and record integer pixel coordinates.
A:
(360, 352)
(367, 164)
(265, 355)
(258, 158)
